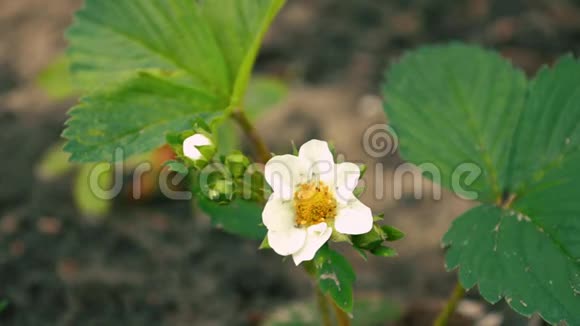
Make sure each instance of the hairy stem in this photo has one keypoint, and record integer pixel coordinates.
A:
(456, 296)
(250, 131)
(341, 317)
(323, 307)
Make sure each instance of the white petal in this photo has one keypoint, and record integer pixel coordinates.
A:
(347, 175)
(317, 235)
(283, 173)
(354, 218)
(190, 143)
(278, 215)
(319, 158)
(287, 242)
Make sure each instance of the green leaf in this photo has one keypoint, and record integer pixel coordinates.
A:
(228, 137)
(511, 256)
(457, 104)
(54, 163)
(263, 94)
(113, 39)
(238, 27)
(548, 134)
(133, 118)
(526, 247)
(239, 217)
(87, 190)
(55, 79)
(162, 59)
(335, 277)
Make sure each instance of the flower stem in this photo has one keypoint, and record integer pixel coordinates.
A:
(261, 148)
(341, 317)
(452, 302)
(323, 307)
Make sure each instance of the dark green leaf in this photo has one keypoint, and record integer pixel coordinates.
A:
(238, 217)
(335, 277)
(547, 141)
(528, 250)
(508, 255)
(3, 305)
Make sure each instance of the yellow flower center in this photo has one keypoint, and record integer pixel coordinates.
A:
(314, 203)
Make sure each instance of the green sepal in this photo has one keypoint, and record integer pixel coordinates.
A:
(294, 149)
(363, 169)
(264, 244)
(207, 151)
(384, 251)
(370, 240)
(340, 237)
(176, 166)
(393, 234)
(175, 141)
(361, 253)
(358, 191)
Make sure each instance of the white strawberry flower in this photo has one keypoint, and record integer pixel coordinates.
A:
(311, 196)
(191, 143)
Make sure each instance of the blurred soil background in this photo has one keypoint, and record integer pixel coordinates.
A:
(159, 262)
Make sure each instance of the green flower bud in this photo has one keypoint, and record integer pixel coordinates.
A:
(221, 191)
(237, 163)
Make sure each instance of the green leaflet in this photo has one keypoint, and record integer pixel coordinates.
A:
(548, 134)
(238, 27)
(145, 52)
(510, 256)
(335, 277)
(238, 217)
(133, 117)
(455, 104)
(111, 39)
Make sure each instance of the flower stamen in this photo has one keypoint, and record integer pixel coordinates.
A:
(314, 203)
